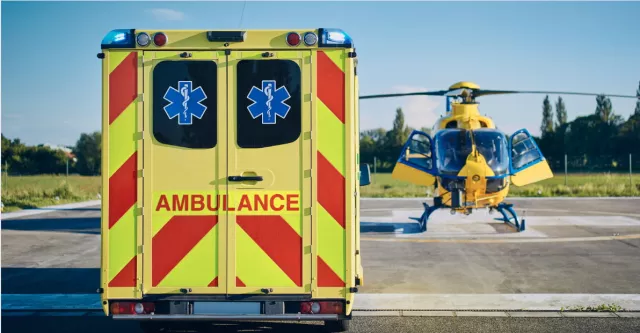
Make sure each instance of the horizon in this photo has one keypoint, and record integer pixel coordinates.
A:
(504, 45)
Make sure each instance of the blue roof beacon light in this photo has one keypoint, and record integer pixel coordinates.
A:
(119, 38)
(334, 38)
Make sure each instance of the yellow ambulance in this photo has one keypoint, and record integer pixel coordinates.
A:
(230, 176)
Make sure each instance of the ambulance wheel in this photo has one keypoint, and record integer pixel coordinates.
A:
(337, 325)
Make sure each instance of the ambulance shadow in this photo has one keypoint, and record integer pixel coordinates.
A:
(81, 225)
(230, 326)
(389, 227)
(27, 280)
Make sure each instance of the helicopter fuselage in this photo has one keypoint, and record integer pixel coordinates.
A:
(472, 181)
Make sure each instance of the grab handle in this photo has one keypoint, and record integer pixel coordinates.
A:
(244, 178)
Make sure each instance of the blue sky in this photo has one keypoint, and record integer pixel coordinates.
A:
(51, 76)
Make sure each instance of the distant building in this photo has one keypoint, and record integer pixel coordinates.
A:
(66, 150)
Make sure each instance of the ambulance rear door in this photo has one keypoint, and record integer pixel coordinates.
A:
(269, 172)
(184, 172)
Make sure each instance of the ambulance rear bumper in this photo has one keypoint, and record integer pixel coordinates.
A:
(283, 317)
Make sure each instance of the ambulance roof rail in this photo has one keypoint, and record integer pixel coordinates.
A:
(327, 38)
(119, 38)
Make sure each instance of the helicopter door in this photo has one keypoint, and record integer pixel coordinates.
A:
(528, 165)
(416, 164)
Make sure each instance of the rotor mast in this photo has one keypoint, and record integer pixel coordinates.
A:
(464, 107)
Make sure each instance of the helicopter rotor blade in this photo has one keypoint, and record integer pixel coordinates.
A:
(417, 93)
(484, 92)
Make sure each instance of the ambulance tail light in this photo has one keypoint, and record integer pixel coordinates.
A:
(334, 38)
(132, 308)
(293, 39)
(159, 39)
(321, 308)
(119, 38)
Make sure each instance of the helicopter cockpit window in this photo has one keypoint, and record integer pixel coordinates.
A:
(453, 146)
(523, 150)
(419, 151)
(492, 145)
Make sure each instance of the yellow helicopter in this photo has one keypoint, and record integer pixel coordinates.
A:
(469, 161)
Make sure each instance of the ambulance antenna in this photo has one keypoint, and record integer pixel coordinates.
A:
(242, 14)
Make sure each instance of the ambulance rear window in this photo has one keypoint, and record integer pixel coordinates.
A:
(185, 103)
(269, 103)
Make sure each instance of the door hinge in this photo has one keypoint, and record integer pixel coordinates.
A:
(352, 54)
(355, 71)
(353, 290)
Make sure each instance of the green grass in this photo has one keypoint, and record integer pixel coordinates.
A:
(578, 185)
(21, 192)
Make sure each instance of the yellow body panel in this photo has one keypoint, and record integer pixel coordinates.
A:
(535, 173)
(184, 193)
(406, 173)
(464, 84)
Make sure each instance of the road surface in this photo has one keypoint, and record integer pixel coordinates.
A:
(570, 246)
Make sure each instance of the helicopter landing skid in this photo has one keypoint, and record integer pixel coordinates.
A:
(506, 210)
(425, 216)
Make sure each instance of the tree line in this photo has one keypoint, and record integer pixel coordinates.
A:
(598, 141)
(21, 159)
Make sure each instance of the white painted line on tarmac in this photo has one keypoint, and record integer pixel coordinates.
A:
(504, 302)
(376, 303)
(495, 240)
(48, 209)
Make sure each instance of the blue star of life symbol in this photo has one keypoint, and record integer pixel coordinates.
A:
(185, 102)
(268, 102)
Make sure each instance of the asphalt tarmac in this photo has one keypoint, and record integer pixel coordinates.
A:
(572, 246)
(60, 324)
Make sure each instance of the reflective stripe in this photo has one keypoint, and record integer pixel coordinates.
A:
(175, 241)
(331, 247)
(278, 240)
(116, 58)
(122, 169)
(158, 221)
(331, 169)
(122, 243)
(121, 138)
(254, 267)
(295, 222)
(199, 267)
(331, 137)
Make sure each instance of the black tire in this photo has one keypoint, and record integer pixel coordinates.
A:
(337, 325)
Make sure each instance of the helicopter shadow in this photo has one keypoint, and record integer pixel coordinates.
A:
(497, 227)
(391, 227)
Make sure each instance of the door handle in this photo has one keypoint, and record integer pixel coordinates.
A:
(244, 178)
